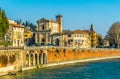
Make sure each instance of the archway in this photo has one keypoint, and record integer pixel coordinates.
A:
(43, 41)
(36, 59)
(31, 59)
(57, 42)
(27, 60)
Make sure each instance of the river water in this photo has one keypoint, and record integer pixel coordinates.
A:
(104, 69)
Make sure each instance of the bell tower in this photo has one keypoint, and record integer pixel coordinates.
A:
(59, 20)
(92, 27)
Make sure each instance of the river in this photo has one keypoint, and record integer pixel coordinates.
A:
(104, 69)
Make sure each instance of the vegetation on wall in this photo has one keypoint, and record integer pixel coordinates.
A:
(5, 43)
(3, 60)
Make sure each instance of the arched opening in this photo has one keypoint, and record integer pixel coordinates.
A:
(44, 58)
(43, 41)
(36, 59)
(27, 60)
(31, 59)
(57, 42)
(43, 28)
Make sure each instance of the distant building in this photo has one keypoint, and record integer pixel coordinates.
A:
(93, 36)
(28, 37)
(106, 42)
(76, 38)
(47, 27)
(15, 34)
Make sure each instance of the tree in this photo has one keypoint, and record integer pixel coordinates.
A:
(4, 25)
(114, 34)
(29, 24)
(100, 41)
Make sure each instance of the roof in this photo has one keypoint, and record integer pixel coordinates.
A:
(74, 32)
(16, 25)
(58, 15)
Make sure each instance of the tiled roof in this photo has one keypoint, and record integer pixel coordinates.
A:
(16, 25)
(74, 32)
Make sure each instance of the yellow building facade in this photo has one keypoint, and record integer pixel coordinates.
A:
(15, 34)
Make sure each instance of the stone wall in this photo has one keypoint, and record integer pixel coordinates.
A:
(11, 57)
(29, 57)
(63, 55)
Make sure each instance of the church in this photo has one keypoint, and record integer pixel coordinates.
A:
(46, 28)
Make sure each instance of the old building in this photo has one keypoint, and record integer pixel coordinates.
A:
(28, 37)
(77, 38)
(47, 27)
(93, 36)
(15, 34)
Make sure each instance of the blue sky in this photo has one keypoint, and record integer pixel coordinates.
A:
(77, 14)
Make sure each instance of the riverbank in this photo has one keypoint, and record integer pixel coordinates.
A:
(70, 62)
(32, 59)
(62, 63)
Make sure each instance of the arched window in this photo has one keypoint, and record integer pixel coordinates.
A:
(43, 28)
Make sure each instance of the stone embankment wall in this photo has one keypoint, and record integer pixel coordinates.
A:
(63, 55)
(17, 59)
(11, 57)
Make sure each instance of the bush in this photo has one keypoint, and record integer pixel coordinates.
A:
(6, 43)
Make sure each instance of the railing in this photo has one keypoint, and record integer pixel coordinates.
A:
(55, 47)
(9, 48)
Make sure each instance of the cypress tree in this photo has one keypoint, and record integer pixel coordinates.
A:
(4, 25)
(0, 22)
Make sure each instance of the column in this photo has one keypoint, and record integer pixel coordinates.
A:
(39, 39)
(36, 38)
(41, 58)
(46, 38)
(33, 59)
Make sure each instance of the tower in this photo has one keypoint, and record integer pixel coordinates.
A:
(92, 27)
(59, 20)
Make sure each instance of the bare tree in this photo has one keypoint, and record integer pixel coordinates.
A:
(114, 34)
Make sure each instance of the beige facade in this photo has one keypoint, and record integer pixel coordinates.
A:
(75, 38)
(15, 34)
(47, 27)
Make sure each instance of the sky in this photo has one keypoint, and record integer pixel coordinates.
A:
(77, 14)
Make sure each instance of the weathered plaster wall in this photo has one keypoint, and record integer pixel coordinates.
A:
(11, 57)
(62, 55)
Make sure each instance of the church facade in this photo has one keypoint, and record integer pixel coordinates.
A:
(46, 28)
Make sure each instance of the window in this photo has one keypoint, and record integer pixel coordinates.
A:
(78, 40)
(21, 41)
(43, 28)
(75, 40)
(74, 35)
(68, 41)
(82, 35)
(82, 40)
(69, 35)
(71, 40)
